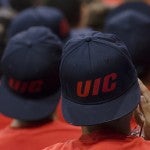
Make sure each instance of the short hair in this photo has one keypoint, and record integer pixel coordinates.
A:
(96, 16)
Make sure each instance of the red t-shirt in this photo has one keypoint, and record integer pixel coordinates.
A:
(37, 138)
(103, 141)
(4, 121)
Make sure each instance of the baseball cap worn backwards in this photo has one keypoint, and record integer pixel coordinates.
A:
(98, 79)
(139, 6)
(30, 86)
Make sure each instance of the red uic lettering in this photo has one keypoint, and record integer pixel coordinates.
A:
(109, 83)
(24, 87)
(35, 86)
(14, 84)
(64, 28)
(11, 83)
(83, 91)
(96, 86)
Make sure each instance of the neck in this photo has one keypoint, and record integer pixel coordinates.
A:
(121, 126)
(88, 130)
(16, 123)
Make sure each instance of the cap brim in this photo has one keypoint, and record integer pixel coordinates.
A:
(78, 114)
(26, 109)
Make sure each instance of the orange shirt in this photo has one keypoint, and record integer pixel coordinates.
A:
(37, 138)
(4, 121)
(103, 141)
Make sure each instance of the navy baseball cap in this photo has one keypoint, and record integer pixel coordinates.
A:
(134, 29)
(49, 17)
(99, 82)
(30, 85)
(139, 6)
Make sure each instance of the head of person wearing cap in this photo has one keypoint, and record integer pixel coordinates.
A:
(30, 91)
(30, 86)
(138, 5)
(48, 17)
(100, 91)
(134, 29)
(95, 16)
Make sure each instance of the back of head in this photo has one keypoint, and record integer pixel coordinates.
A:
(95, 16)
(70, 8)
(135, 5)
(49, 17)
(134, 29)
(30, 82)
(98, 79)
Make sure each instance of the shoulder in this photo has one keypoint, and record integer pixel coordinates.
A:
(140, 143)
(68, 145)
(57, 146)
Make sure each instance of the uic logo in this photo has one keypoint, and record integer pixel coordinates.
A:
(104, 85)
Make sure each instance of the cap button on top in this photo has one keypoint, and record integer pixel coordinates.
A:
(88, 39)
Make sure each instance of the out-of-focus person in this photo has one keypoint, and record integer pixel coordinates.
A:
(30, 91)
(48, 17)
